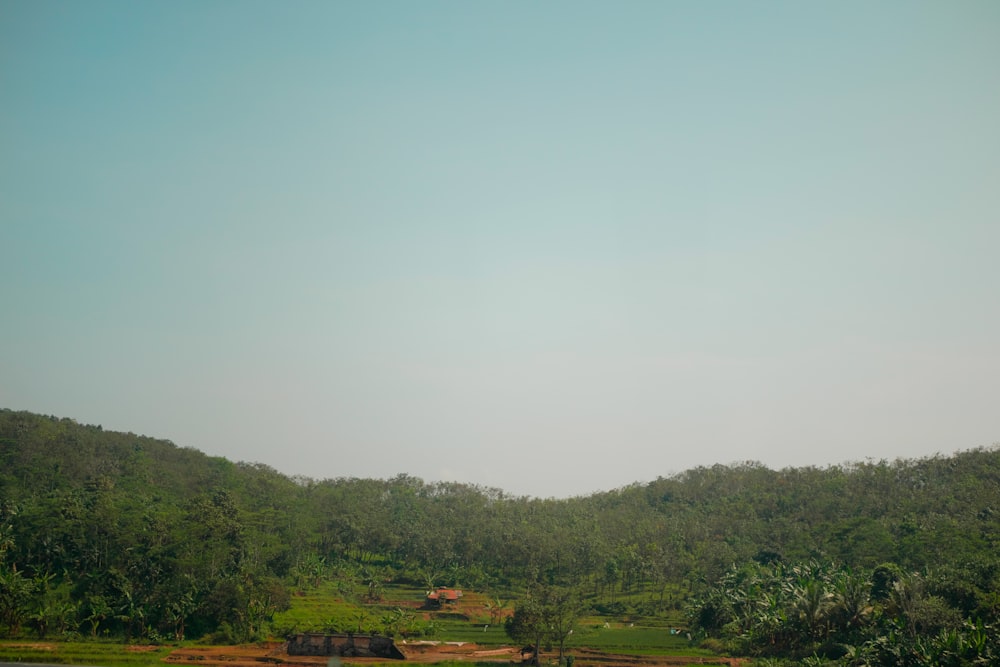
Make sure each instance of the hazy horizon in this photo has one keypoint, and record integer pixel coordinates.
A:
(550, 248)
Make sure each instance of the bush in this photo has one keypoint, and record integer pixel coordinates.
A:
(712, 644)
(610, 608)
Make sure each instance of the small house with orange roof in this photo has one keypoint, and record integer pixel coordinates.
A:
(443, 596)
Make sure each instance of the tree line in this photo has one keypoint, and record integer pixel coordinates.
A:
(107, 533)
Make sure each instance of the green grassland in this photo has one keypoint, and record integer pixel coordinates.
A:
(102, 653)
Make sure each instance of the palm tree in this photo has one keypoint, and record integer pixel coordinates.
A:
(811, 603)
(495, 605)
(852, 606)
(430, 578)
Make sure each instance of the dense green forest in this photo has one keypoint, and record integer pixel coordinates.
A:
(115, 534)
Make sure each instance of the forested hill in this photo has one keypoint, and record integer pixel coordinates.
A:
(118, 519)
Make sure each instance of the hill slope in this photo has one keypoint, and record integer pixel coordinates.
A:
(106, 531)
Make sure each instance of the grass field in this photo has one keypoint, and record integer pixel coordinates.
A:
(102, 653)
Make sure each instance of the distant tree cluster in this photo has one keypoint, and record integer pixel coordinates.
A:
(105, 533)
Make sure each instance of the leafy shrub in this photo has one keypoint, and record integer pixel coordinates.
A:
(712, 644)
(616, 608)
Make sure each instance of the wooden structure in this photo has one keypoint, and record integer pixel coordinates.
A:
(346, 645)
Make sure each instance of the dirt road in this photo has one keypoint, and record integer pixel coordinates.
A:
(257, 655)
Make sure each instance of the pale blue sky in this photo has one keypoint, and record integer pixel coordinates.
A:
(550, 247)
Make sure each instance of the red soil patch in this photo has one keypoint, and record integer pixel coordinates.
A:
(33, 646)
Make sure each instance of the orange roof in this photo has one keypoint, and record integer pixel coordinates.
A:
(444, 594)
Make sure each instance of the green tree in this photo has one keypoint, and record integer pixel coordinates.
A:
(16, 596)
(97, 610)
(548, 613)
(527, 625)
(561, 609)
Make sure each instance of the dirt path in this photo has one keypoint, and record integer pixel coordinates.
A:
(275, 653)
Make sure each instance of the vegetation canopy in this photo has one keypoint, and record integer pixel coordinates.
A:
(115, 535)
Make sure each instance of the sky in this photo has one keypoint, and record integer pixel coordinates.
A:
(552, 248)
